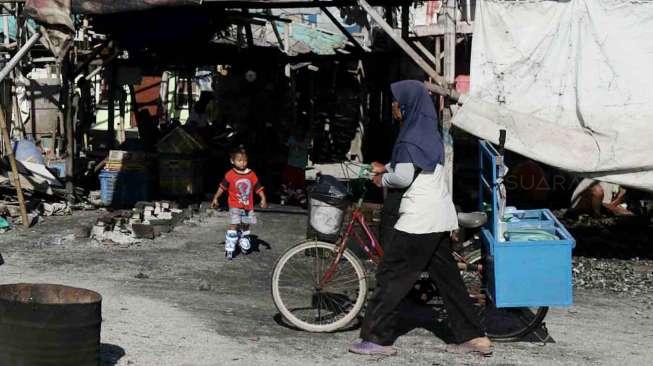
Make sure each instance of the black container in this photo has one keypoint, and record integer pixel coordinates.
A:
(44, 324)
(328, 200)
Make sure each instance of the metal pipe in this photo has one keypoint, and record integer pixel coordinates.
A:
(18, 56)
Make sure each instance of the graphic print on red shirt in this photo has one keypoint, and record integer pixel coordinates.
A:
(241, 188)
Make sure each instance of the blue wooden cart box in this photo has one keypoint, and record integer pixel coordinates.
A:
(522, 273)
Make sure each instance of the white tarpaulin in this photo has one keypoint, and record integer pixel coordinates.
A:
(571, 82)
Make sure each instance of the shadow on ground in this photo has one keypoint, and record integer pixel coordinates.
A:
(110, 354)
(433, 318)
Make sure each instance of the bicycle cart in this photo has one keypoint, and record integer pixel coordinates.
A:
(526, 253)
(322, 287)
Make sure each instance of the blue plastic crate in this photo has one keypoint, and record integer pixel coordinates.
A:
(530, 273)
(124, 188)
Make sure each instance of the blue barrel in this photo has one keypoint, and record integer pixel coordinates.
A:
(47, 325)
(124, 188)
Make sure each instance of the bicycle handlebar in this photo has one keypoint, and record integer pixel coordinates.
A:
(364, 171)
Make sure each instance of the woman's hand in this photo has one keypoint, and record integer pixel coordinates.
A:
(378, 168)
(378, 180)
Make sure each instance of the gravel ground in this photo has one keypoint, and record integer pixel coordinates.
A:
(176, 301)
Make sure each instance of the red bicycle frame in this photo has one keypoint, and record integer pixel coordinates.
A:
(371, 247)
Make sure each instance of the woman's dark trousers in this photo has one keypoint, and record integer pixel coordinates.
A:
(406, 258)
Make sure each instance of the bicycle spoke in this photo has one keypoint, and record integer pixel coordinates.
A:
(300, 275)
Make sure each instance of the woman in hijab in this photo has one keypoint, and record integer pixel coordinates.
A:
(417, 220)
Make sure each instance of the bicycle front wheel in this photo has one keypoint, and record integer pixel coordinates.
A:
(306, 304)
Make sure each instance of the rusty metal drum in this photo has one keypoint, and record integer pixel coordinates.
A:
(45, 324)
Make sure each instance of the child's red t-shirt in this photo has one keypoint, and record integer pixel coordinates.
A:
(241, 188)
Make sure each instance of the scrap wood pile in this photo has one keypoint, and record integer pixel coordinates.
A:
(147, 220)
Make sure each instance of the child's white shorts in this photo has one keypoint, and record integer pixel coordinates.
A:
(240, 216)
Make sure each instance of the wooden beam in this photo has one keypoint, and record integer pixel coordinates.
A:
(439, 30)
(19, 55)
(405, 46)
(426, 53)
(343, 29)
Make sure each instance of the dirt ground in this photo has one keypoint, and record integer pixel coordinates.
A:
(177, 301)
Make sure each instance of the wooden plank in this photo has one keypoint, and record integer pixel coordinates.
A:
(439, 29)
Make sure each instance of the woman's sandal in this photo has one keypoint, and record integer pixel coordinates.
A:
(371, 348)
(470, 347)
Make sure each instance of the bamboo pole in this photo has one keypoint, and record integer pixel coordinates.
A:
(14, 167)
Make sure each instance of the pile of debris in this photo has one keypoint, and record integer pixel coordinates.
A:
(631, 277)
(147, 220)
(37, 209)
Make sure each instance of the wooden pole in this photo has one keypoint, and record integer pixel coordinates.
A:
(449, 20)
(111, 105)
(14, 167)
(189, 91)
(405, 19)
(248, 31)
(438, 54)
(273, 23)
(69, 127)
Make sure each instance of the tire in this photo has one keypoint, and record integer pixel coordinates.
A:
(523, 321)
(285, 291)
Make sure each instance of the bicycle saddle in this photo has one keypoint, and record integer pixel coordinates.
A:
(471, 220)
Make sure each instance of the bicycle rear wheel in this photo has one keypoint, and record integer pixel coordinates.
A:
(307, 305)
(501, 323)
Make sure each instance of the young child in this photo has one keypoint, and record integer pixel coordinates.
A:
(240, 183)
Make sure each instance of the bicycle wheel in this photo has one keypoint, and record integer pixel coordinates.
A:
(300, 299)
(501, 323)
